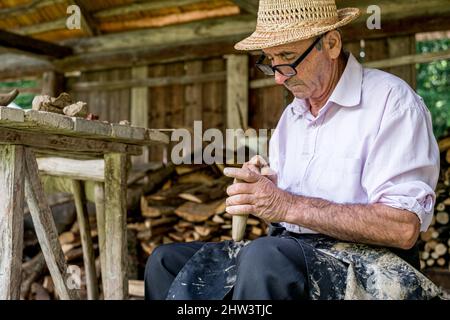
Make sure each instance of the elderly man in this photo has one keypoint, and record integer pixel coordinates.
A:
(356, 164)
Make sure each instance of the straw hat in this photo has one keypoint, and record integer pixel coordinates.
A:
(285, 21)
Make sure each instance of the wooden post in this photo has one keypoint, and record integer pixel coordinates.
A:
(86, 239)
(116, 285)
(237, 91)
(11, 220)
(401, 46)
(52, 83)
(46, 231)
(140, 107)
(99, 195)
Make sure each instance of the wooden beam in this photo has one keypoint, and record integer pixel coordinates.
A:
(237, 91)
(46, 231)
(116, 286)
(141, 7)
(399, 47)
(251, 6)
(168, 53)
(26, 8)
(170, 35)
(86, 239)
(87, 20)
(52, 83)
(99, 195)
(170, 19)
(140, 107)
(409, 59)
(61, 144)
(149, 82)
(400, 27)
(24, 43)
(12, 173)
(88, 170)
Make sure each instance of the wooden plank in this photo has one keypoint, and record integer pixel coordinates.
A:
(237, 91)
(400, 46)
(11, 217)
(137, 288)
(46, 230)
(214, 97)
(157, 102)
(92, 170)
(27, 7)
(409, 59)
(204, 10)
(116, 286)
(193, 95)
(140, 106)
(99, 195)
(86, 239)
(149, 82)
(179, 34)
(165, 53)
(52, 83)
(35, 46)
(141, 7)
(64, 144)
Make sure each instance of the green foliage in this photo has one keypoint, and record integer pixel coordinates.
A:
(434, 87)
(23, 100)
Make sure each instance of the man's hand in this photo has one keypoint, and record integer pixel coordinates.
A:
(256, 194)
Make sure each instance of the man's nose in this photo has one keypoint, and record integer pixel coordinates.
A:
(280, 79)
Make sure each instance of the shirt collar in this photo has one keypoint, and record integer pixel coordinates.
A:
(347, 92)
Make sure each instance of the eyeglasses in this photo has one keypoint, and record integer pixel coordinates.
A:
(287, 70)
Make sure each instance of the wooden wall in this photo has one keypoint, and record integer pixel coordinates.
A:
(179, 105)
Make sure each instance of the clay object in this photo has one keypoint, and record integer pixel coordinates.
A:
(7, 98)
(50, 104)
(62, 101)
(78, 109)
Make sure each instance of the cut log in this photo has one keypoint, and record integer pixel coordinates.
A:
(440, 249)
(195, 212)
(442, 217)
(207, 193)
(155, 211)
(136, 288)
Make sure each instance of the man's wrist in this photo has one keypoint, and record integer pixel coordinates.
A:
(291, 210)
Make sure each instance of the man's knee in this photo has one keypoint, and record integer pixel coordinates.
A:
(262, 251)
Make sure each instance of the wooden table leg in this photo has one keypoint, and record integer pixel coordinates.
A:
(11, 220)
(86, 239)
(46, 231)
(99, 195)
(116, 285)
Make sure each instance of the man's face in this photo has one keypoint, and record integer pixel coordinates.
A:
(311, 72)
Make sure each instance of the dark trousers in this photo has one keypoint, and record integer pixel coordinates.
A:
(269, 268)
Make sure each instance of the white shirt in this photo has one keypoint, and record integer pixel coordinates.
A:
(372, 142)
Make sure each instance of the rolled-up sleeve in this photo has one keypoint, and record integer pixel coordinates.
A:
(402, 165)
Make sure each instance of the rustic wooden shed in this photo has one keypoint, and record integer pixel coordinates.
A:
(164, 64)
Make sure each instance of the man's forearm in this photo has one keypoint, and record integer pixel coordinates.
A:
(372, 224)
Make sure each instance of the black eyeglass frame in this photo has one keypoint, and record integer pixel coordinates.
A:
(270, 70)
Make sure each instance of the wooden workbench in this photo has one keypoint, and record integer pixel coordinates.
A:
(25, 134)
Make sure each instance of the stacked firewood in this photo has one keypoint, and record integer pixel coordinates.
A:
(165, 204)
(190, 207)
(434, 244)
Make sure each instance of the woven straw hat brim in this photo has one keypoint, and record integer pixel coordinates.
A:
(262, 40)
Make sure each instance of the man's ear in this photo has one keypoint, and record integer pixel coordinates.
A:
(333, 43)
